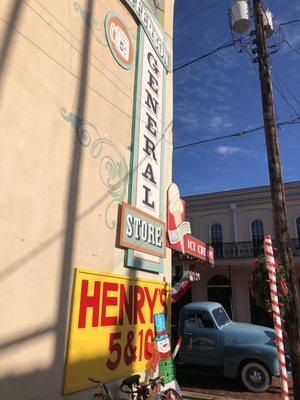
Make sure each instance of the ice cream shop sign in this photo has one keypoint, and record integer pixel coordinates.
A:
(179, 230)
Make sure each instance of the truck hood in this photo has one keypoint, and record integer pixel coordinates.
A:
(241, 333)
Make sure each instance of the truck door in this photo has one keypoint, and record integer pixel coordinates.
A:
(201, 340)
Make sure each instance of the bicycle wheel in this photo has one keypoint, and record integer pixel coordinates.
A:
(159, 396)
(102, 396)
(171, 394)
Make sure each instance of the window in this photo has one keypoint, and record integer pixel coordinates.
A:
(198, 320)
(257, 232)
(217, 239)
(219, 280)
(220, 316)
(219, 290)
(298, 227)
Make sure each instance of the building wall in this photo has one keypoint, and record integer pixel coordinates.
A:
(61, 91)
(247, 204)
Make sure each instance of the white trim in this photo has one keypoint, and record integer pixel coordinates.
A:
(234, 229)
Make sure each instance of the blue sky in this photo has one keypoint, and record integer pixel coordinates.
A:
(221, 95)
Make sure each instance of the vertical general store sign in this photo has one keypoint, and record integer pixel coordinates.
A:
(110, 325)
(147, 163)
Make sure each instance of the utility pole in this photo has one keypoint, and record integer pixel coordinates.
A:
(277, 193)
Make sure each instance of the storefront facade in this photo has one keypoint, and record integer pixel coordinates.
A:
(234, 223)
(86, 117)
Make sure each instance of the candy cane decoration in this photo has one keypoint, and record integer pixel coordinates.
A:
(270, 263)
(178, 345)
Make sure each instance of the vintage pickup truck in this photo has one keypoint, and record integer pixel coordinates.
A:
(210, 340)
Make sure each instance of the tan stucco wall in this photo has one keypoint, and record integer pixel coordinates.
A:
(251, 204)
(248, 213)
(56, 205)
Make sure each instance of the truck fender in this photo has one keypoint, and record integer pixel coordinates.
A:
(237, 355)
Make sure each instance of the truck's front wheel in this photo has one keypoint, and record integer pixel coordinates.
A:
(255, 377)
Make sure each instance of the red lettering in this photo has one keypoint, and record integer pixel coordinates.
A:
(89, 301)
(108, 301)
(139, 300)
(125, 302)
(149, 337)
(163, 300)
(114, 348)
(151, 302)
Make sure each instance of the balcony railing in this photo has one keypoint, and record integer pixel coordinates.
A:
(248, 249)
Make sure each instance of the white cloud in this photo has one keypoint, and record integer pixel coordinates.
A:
(223, 170)
(227, 150)
(220, 122)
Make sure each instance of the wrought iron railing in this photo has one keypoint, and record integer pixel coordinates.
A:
(248, 249)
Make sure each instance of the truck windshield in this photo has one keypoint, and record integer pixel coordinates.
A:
(220, 316)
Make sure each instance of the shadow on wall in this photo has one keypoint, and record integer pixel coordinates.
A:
(8, 37)
(35, 384)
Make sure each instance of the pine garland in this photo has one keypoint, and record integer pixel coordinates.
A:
(260, 285)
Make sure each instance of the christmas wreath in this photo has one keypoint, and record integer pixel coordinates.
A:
(260, 285)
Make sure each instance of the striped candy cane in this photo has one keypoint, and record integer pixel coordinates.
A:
(270, 263)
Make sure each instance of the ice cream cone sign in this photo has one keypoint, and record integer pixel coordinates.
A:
(179, 230)
(177, 226)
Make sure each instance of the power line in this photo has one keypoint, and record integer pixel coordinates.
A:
(290, 22)
(292, 47)
(213, 139)
(237, 134)
(278, 88)
(285, 86)
(291, 133)
(272, 1)
(221, 47)
(188, 15)
(230, 44)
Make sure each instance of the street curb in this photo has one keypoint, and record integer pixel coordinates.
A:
(203, 396)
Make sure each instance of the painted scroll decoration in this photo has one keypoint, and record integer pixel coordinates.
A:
(112, 167)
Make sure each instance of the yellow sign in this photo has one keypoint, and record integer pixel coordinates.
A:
(111, 323)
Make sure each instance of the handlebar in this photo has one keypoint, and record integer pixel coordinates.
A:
(141, 386)
(100, 383)
(95, 380)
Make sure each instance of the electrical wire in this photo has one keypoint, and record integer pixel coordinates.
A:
(237, 134)
(271, 3)
(221, 47)
(285, 40)
(286, 87)
(184, 17)
(280, 92)
(292, 47)
(112, 81)
(278, 39)
(290, 22)
(290, 133)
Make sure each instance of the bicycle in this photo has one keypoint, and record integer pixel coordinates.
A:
(104, 393)
(137, 390)
(148, 391)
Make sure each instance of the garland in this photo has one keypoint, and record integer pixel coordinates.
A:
(260, 285)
